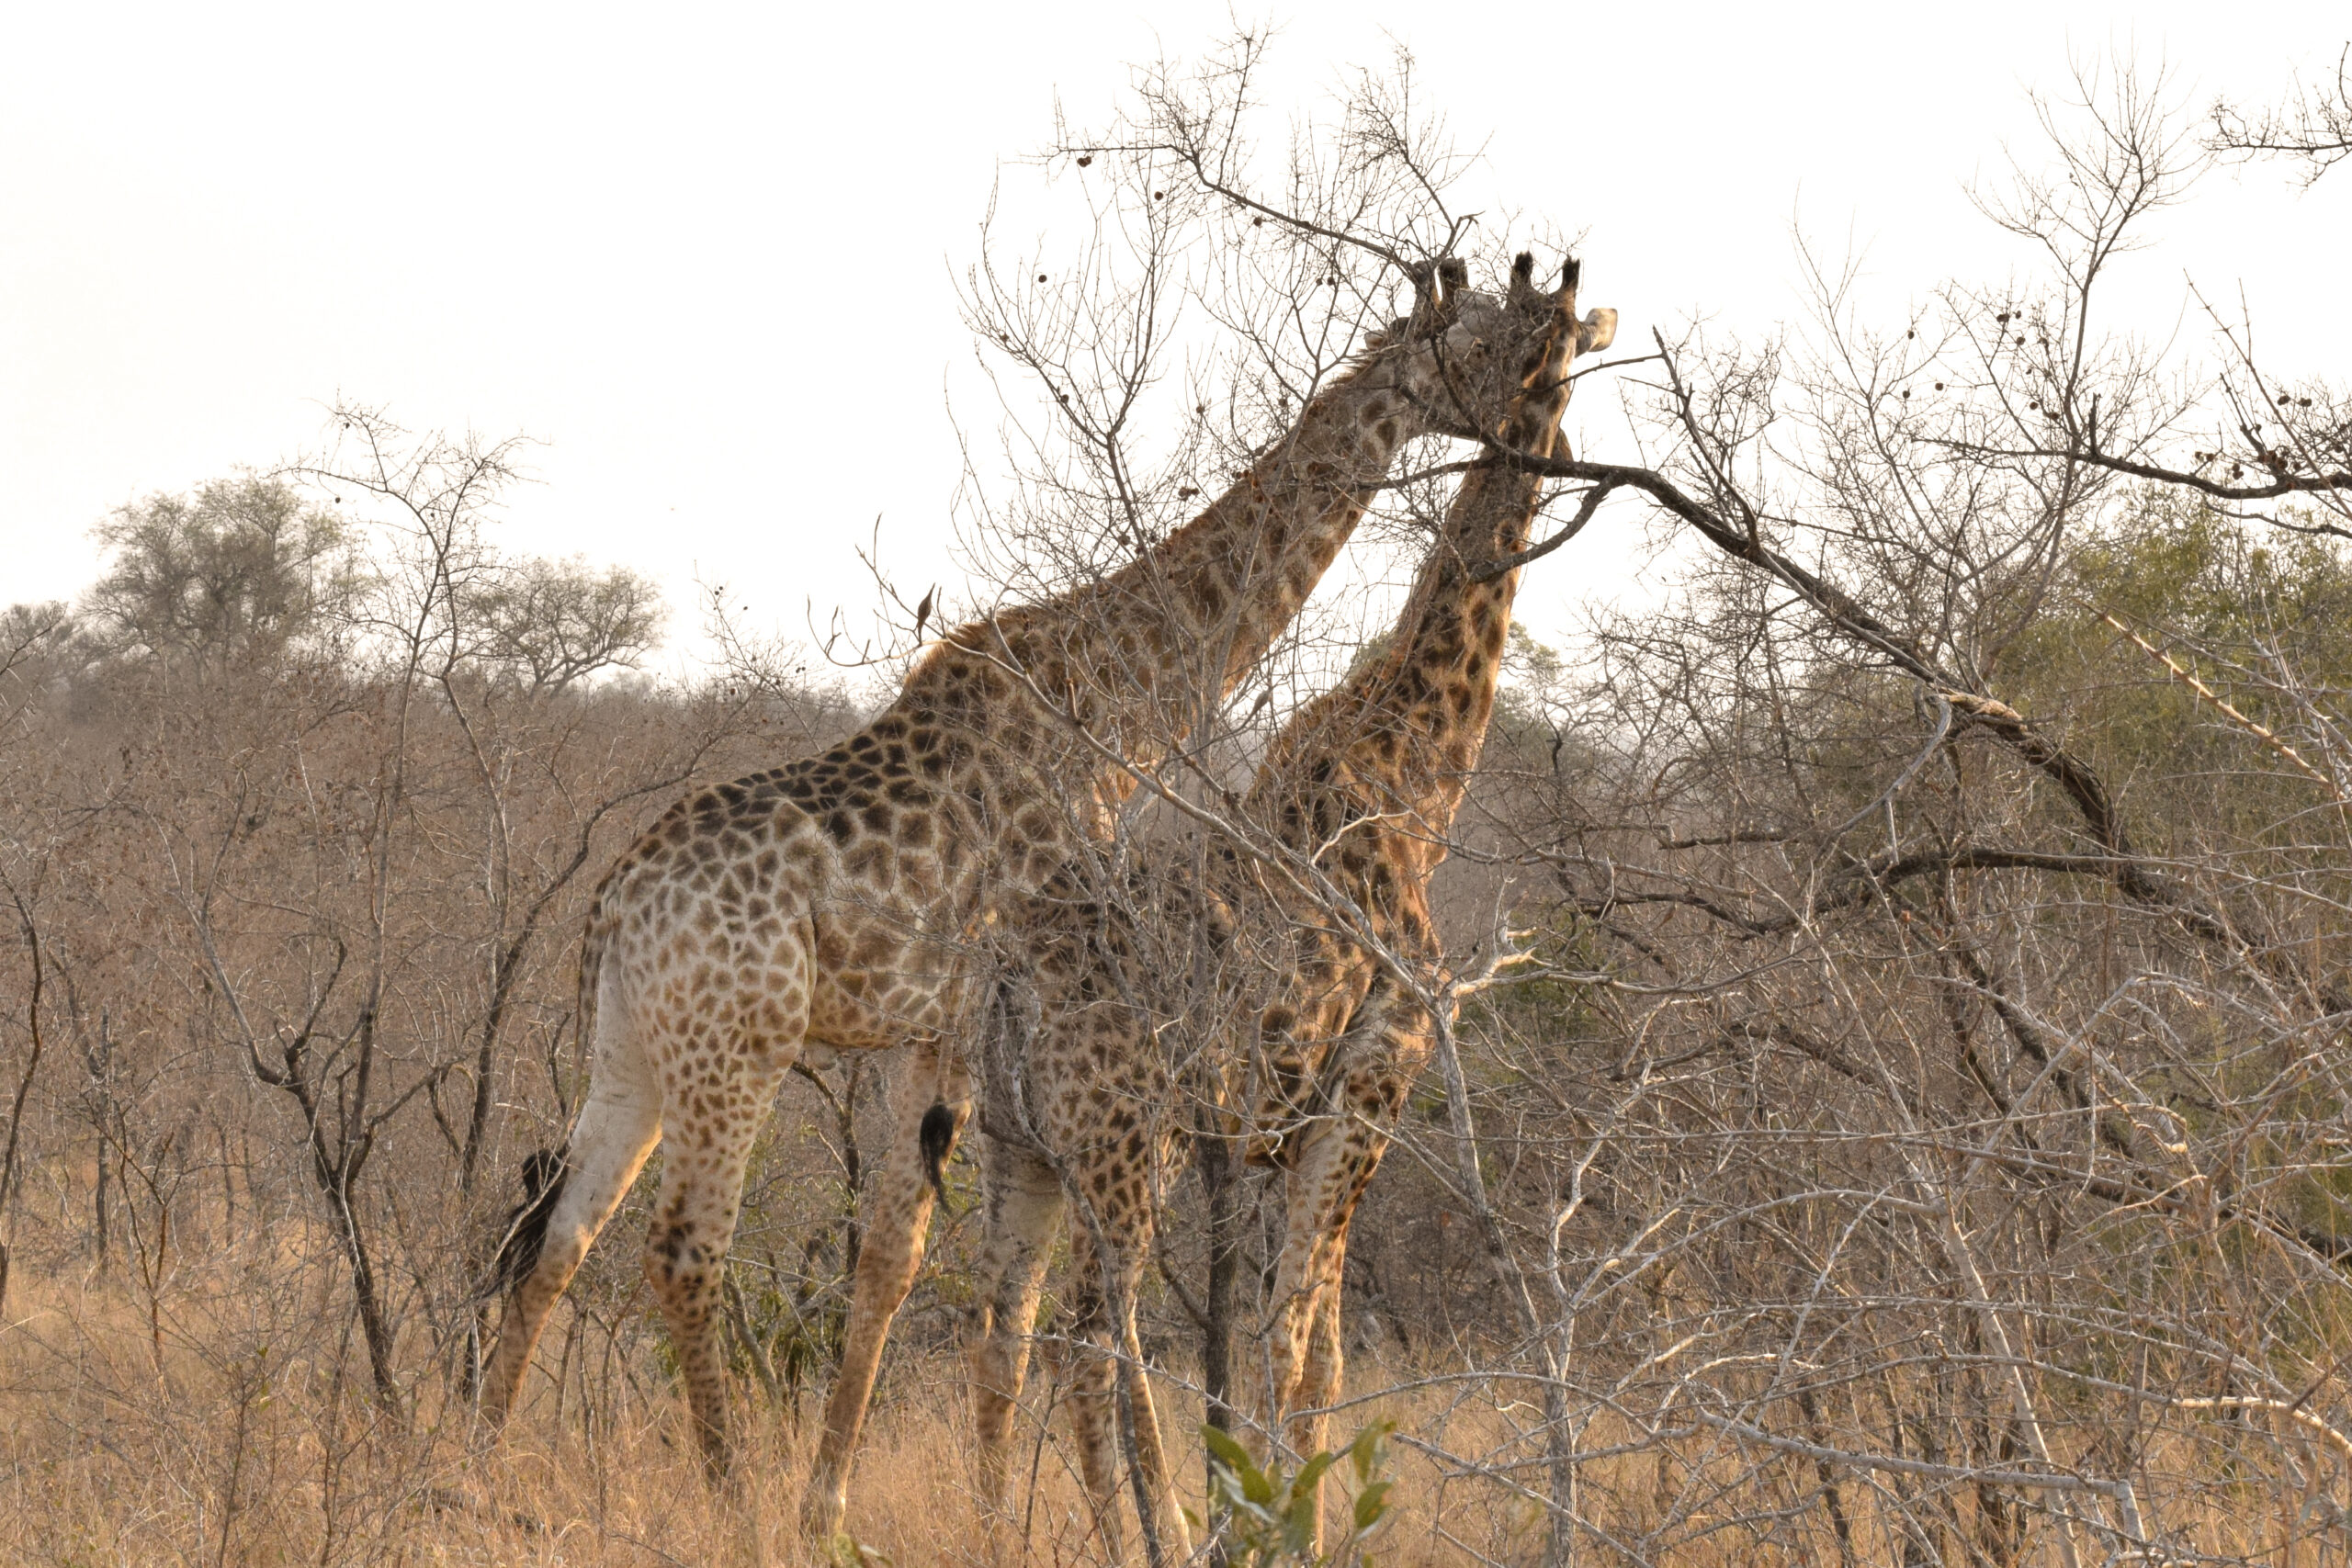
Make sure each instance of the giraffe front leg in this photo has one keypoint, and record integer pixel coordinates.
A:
(1305, 1357)
(1331, 1176)
(898, 1216)
(1323, 1359)
(1024, 1199)
(1094, 1420)
(1114, 1188)
(1298, 1277)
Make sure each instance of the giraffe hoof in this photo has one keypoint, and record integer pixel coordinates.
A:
(820, 1514)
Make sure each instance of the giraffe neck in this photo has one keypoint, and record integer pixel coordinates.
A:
(1409, 725)
(1404, 732)
(1145, 653)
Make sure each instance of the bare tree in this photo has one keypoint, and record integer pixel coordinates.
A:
(1872, 922)
(1870, 985)
(2314, 128)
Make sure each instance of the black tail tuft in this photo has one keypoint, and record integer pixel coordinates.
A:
(938, 1135)
(526, 1226)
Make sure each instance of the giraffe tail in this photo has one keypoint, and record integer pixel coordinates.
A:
(525, 1230)
(527, 1223)
(938, 1136)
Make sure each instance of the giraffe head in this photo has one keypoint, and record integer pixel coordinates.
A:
(1531, 417)
(1466, 359)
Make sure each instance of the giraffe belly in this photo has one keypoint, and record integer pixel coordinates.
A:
(878, 986)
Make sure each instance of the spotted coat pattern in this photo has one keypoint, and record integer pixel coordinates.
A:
(831, 902)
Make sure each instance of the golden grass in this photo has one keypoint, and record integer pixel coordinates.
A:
(219, 1430)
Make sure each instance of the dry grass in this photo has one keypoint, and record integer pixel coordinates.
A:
(248, 1440)
(228, 1422)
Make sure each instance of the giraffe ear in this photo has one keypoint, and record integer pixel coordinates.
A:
(1597, 330)
(1452, 273)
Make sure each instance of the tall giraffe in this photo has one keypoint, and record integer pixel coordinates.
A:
(827, 902)
(1079, 1097)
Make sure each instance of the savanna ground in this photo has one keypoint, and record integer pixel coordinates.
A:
(1898, 1110)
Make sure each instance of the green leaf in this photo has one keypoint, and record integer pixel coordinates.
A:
(1366, 1451)
(1298, 1525)
(1223, 1445)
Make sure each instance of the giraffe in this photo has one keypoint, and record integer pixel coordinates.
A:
(827, 903)
(1078, 1081)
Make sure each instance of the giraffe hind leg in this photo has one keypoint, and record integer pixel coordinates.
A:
(703, 1170)
(550, 1238)
(1092, 1416)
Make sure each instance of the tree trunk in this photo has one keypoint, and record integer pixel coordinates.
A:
(1220, 1186)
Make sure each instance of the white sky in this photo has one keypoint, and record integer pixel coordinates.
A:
(710, 262)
